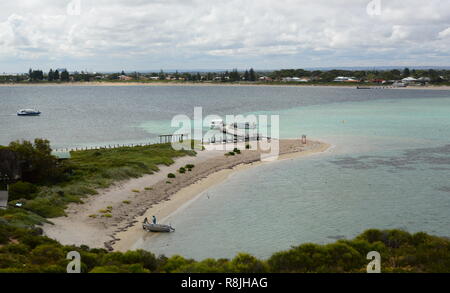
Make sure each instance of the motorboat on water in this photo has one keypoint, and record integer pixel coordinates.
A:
(28, 112)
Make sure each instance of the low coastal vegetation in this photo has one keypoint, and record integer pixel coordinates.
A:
(48, 184)
(236, 151)
(25, 251)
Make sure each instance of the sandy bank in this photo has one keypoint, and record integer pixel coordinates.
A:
(129, 208)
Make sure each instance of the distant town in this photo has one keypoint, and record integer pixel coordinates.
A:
(395, 77)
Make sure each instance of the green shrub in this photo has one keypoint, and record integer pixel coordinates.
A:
(182, 170)
(46, 207)
(22, 190)
(245, 263)
(47, 254)
(171, 176)
(142, 257)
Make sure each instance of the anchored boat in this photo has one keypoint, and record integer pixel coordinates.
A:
(158, 228)
(28, 112)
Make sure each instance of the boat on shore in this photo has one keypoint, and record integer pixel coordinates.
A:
(158, 228)
(28, 112)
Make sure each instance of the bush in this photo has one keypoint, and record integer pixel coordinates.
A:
(142, 257)
(47, 254)
(245, 263)
(171, 175)
(46, 207)
(22, 190)
(182, 170)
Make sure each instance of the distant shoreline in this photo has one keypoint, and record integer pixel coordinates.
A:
(175, 83)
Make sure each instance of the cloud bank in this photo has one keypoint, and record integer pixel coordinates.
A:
(138, 34)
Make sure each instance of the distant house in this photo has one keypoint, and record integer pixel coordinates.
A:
(125, 78)
(265, 78)
(345, 79)
(424, 79)
(154, 77)
(292, 79)
(399, 84)
(409, 80)
(378, 80)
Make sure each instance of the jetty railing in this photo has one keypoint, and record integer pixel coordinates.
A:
(166, 138)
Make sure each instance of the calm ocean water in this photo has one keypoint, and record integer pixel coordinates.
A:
(390, 166)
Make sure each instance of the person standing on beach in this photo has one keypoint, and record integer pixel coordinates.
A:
(154, 220)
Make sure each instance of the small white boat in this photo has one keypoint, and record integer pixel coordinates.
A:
(158, 228)
(28, 112)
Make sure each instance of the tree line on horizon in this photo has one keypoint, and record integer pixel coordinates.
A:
(248, 75)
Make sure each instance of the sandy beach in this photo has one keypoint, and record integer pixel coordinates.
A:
(133, 200)
(176, 83)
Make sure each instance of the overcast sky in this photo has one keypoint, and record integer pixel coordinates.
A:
(106, 35)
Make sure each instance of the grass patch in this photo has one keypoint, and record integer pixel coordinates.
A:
(135, 191)
(93, 169)
(171, 176)
(148, 188)
(126, 202)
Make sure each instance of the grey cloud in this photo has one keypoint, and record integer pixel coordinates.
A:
(254, 28)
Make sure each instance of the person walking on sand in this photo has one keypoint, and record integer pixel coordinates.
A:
(146, 221)
(154, 220)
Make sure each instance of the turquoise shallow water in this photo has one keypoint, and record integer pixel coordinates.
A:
(390, 168)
